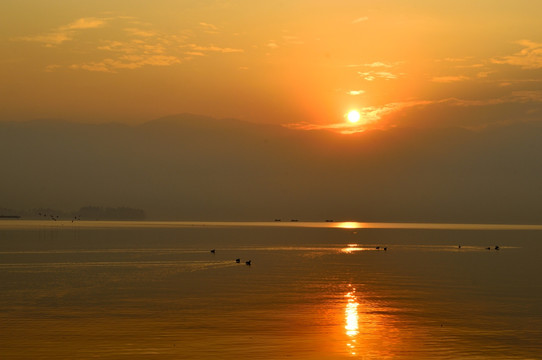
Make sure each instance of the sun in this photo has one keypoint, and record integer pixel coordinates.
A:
(353, 116)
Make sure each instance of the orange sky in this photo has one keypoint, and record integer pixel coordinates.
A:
(304, 63)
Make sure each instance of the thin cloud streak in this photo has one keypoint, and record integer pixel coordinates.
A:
(67, 32)
(375, 64)
(373, 75)
(360, 20)
(530, 57)
(129, 62)
(355, 92)
(213, 48)
(449, 79)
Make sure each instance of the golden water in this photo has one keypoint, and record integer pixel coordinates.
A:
(153, 290)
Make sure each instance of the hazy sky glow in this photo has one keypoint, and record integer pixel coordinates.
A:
(301, 63)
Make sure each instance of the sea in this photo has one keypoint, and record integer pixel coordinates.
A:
(313, 290)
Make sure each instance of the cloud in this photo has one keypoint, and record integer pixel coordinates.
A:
(209, 28)
(51, 68)
(130, 44)
(378, 64)
(483, 74)
(449, 79)
(292, 40)
(129, 62)
(139, 32)
(360, 19)
(283, 41)
(449, 59)
(355, 92)
(66, 32)
(141, 49)
(213, 48)
(530, 57)
(518, 97)
(84, 23)
(194, 53)
(373, 75)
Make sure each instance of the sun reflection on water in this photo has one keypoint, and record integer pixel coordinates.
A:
(352, 319)
(369, 330)
(351, 248)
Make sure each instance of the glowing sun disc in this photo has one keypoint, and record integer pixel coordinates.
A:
(353, 116)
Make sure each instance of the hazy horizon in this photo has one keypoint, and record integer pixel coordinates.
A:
(191, 167)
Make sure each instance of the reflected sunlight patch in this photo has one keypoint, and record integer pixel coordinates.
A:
(351, 319)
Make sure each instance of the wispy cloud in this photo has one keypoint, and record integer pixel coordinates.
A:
(284, 41)
(67, 32)
(213, 48)
(292, 40)
(483, 74)
(129, 62)
(530, 57)
(130, 44)
(355, 92)
(376, 64)
(379, 64)
(373, 75)
(209, 28)
(194, 53)
(140, 32)
(449, 79)
(360, 20)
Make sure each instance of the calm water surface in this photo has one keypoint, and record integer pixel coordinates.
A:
(314, 291)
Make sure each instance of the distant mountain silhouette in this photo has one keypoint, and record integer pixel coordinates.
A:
(196, 167)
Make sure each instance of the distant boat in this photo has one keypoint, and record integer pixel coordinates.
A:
(213, 251)
(294, 220)
(249, 262)
(238, 260)
(330, 220)
(277, 220)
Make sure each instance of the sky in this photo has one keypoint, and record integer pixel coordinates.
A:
(303, 64)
